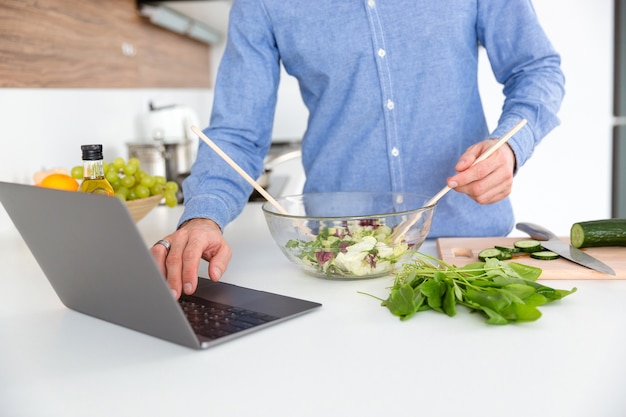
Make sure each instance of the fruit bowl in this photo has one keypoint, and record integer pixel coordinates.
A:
(350, 235)
(140, 207)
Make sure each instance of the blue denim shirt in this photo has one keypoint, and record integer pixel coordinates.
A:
(392, 94)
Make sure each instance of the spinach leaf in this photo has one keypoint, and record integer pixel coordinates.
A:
(433, 289)
(503, 292)
(401, 301)
(449, 299)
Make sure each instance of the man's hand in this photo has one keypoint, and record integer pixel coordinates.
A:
(488, 181)
(194, 240)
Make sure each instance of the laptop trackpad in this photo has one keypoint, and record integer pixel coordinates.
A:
(250, 299)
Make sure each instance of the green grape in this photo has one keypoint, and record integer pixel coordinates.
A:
(170, 199)
(160, 179)
(117, 183)
(132, 195)
(119, 163)
(111, 176)
(128, 181)
(77, 172)
(120, 196)
(139, 175)
(156, 189)
(133, 161)
(105, 166)
(148, 181)
(122, 190)
(142, 191)
(171, 186)
(130, 169)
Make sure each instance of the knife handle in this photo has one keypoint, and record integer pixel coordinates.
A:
(535, 231)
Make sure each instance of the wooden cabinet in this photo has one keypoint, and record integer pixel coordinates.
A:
(94, 44)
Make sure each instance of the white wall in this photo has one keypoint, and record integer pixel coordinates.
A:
(567, 180)
(44, 128)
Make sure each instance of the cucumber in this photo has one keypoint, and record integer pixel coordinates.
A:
(505, 256)
(509, 249)
(597, 233)
(500, 255)
(485, 254)
(528, 245)
(545, 255)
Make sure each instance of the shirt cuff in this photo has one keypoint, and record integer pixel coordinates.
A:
(206, 207)
(522, 143)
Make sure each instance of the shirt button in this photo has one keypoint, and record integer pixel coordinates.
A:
(390, 104)
(371, 3)
(381, 52)
(395, 151)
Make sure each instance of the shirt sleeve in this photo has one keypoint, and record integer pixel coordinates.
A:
(241, 119)
(524, 61)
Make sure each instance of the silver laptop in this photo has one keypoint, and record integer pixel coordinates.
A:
(98, 264)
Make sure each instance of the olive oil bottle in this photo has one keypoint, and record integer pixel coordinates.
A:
(94, 181)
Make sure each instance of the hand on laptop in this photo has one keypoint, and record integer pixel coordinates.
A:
(194, 240)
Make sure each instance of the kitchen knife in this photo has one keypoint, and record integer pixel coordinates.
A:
(551, 242)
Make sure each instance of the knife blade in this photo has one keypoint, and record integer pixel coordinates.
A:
(551, 242)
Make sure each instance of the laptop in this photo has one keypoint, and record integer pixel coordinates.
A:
(98, 264)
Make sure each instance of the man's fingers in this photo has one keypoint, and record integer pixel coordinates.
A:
(174, 266)
(197, 239)
(190, 264)
(219, 262)
(487, 181)
(159, 252)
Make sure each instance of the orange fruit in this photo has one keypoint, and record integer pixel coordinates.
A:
(40, 175)
(60, 182)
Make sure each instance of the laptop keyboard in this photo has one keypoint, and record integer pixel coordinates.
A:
(214, 320)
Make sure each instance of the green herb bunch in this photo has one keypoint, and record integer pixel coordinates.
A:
(503, 292)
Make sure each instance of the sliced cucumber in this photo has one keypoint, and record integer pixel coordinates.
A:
(528, 245)
(509, 249)
(544, 255)
(485, 254)
(597, 233)
(505, 256)
(496, 253)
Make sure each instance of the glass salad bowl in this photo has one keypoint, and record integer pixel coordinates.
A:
(349, 235)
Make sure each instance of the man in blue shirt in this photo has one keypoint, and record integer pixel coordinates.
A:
(392, 94)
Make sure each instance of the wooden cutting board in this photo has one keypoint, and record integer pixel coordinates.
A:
(461, 251)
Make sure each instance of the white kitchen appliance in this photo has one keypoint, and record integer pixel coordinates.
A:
(167, 146)
(170, 123)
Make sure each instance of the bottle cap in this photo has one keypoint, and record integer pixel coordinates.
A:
(91, 152)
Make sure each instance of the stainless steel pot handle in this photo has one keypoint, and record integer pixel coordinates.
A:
(287, 156)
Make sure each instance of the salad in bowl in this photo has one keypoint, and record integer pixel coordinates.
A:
(350, 235)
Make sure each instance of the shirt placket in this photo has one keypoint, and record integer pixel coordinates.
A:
(389, 106)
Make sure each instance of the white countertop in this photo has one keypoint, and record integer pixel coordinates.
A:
(351, 357)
